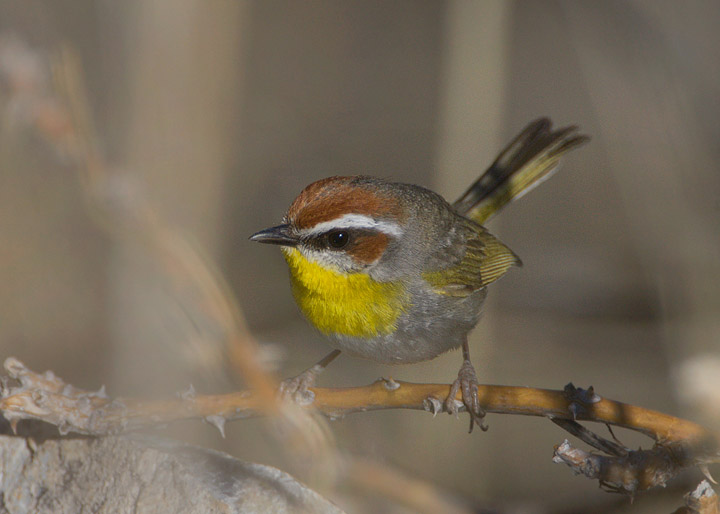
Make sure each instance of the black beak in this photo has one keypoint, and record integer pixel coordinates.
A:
(279, 235)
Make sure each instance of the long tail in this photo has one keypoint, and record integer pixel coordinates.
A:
(531, 158)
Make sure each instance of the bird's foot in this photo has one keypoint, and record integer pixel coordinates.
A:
(297, 388)
(467, 383)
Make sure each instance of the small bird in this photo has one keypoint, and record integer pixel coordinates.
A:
(394, 273)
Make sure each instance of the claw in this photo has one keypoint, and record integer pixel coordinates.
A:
(297, 388)
(451, 404)
(467, 383)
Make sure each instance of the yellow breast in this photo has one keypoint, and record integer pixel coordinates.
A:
(347, 304)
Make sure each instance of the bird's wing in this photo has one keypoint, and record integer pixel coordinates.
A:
(484, 260)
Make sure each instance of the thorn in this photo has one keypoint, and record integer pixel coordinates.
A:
(14, 367)
(101, 393)
(218, 422)
(574, 409)
(432, 404)
(589, 396)
(390, 384)
(14, 424)
(706, 472)
(188, 394)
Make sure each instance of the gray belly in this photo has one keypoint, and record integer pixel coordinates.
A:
(432, 324)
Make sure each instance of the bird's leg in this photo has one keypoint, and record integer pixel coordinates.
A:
(297, 387)
(467, 383)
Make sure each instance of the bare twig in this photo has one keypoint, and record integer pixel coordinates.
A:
(637, 471)
(679, 443)
(591, 438)
(128, 414)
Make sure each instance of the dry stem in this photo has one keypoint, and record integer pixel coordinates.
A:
(53, 395)
(679, 443)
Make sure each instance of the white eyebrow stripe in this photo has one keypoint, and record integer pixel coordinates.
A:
(354, 221)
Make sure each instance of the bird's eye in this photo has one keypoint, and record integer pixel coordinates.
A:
(338, 238)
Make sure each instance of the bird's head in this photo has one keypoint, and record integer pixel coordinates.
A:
(344, 224)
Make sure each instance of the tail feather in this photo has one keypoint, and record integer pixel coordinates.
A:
(528, 160)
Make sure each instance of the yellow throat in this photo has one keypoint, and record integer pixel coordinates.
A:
(351, 304)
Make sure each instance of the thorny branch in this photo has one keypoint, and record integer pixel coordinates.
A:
(678, 443)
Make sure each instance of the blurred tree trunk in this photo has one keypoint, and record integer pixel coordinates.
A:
(180, 73)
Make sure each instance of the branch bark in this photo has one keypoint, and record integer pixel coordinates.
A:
(48, 398)
(678, 443)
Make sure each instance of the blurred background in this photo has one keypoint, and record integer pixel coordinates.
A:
(215, 115)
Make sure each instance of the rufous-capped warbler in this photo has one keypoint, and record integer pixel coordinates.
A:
(393, 272)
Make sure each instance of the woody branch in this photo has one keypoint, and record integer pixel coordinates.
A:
(678, 443)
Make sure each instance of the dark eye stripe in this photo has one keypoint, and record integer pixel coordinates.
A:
(353, 238)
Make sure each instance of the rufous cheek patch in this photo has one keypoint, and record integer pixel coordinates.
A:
(367, 249)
